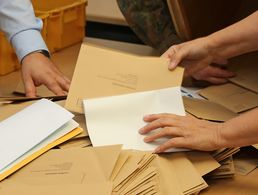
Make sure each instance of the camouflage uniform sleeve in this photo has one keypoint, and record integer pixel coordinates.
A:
(151, 22)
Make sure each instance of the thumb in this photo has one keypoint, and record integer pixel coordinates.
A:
(176, 55)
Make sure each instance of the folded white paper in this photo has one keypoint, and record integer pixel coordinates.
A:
(25, 130)
(117, 119)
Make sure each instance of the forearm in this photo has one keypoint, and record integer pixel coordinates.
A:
(21, 26)
(239, 38)
(240, 131)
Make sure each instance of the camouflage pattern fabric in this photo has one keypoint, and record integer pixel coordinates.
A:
(151, 22)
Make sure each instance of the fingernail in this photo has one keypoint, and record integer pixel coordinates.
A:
(172, 65)
(141, 131)
(146, 139)
(146, 117)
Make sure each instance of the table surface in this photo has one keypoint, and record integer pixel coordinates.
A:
(66, 61)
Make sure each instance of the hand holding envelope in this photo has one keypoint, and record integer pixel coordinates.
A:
(117, 90)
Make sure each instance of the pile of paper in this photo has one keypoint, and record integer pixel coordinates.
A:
(246, 161)
(225, 158)
(226, 170)
(80, 140)
(152, 174)
(31, 132)
(110, 170)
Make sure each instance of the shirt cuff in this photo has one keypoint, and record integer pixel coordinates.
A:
(26, 42)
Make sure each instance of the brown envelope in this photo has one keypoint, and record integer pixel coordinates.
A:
(79, 164)
(246, 161)
(76, 143)
(226, 169)
(188, 177)
(101, 72)
(89, 188)
(208, 110)
(123, 157)
(246, 70)
(203, 162)
(234, 98)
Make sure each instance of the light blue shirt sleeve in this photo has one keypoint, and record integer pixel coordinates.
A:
(22, 28)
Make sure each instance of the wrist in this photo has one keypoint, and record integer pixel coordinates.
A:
(227, 138)
(39, 53)
(213, 46)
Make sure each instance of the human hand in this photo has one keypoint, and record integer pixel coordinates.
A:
(37, 69)
(214, 75)
(193, 55)
(183, 131)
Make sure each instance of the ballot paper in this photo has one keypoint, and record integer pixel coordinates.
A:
(31, 129)
(117, 119)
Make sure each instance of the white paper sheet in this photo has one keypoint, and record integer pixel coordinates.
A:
(56, 135)
(117, 119)
(29, 127)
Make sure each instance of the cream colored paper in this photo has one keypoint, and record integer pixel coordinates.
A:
(117, 119)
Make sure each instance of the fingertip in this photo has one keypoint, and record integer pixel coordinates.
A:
(146, 139)
(172, 65)
(158, 150)
(146, 117)
(30, 94)
(142, 131)
(30, 90)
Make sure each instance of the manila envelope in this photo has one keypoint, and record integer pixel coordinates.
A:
(76, 166)
(101, 72)
(203, 162)
(176, 169)
(233, 97)
(246, 70)
(207, 110)
(90, 188)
